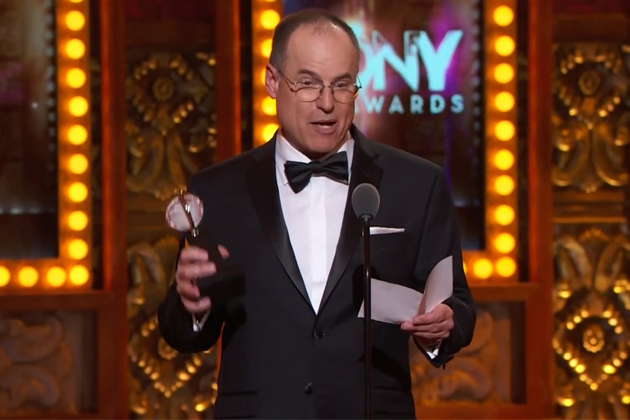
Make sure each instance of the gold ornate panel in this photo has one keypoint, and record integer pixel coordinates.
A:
(46, 363)
(171, 133)
(591, 294)
(482, 374)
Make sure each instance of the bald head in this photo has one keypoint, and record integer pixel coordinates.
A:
(319, 21)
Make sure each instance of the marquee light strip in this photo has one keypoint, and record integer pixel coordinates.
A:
(72, 269)
(497, 262)
(265, 16)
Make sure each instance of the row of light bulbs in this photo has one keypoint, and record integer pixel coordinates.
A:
(504, 160)
(76, 164)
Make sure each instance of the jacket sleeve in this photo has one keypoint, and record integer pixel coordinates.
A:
(176, 323)
(440, 239)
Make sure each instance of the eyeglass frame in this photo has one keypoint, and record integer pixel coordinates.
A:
(293, 86)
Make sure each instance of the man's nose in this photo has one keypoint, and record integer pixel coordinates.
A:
(326, 101)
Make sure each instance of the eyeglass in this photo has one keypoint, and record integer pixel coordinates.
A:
(310, 90)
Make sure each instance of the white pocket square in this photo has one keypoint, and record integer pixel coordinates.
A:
(377, 230)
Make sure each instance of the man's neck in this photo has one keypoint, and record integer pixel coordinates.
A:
(314, 155)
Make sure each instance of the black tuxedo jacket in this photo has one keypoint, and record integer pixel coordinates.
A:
(279, 358)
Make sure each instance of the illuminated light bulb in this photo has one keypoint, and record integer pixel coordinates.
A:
(76, 1)
(504, 130)
(78, 106)
(75, 20)
(268, 131)
(77, 135)
(609, 369)
(269, 19)
(79, 275)
(5, 276)
(503, 16)
(28, 277)
(56, 276)
(78, 164)
(75, 78)
(265, 48)
(77, 192)
(269, 106)
(78, 249)
(504, 46)
(77, 220)
(504, 185)
(482, 268)
(504, 160)
(505, 267)
(505, 243)
(75, 48)
(504, 73)
(504, 215)
(504, 101)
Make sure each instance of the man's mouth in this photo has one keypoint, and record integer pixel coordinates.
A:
(327, 124)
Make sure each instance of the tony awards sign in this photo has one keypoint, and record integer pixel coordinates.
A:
(225, 288)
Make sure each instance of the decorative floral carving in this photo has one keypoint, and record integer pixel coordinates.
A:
(37, 372)
(592, 303)
(164, 383)
(591, 118)
(474, 375)
(171, 118)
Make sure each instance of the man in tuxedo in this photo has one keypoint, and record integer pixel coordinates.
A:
(294, 346)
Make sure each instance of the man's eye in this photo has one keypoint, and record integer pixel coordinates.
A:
(308, 83)
(342, 85)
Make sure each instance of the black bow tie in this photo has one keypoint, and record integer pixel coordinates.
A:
(299, 173)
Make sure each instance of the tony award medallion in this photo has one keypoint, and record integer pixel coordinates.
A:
(184, 213)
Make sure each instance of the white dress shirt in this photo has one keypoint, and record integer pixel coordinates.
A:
(313, 218)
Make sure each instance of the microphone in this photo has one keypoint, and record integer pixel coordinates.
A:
(365, 203)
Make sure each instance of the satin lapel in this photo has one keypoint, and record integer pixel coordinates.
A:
(264, 192)
(364, 169)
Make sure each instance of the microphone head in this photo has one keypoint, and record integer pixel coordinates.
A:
(365, 201)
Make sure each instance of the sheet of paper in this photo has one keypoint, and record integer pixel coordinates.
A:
(395, 304)
(392, 303)
(439, 285)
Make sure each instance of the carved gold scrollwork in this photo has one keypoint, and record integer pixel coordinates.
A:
(592, 304)
(591, 118)
(474, 375)
(171, 101)
(164, 383)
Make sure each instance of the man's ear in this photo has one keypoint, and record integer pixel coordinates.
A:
(271, 81)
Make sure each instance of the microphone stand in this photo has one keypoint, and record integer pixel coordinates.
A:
(367, 319)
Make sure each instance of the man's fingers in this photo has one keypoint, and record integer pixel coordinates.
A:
(188, 291)
(439, 326)
(187, 272)
(224, 252)
(193, 254)
(197, 307)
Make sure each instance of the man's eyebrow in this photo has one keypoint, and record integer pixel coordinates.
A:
(314, 75)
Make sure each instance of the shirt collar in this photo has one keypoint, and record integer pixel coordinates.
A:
(285, 152)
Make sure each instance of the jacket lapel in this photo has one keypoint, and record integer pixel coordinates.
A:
(364, 169)
(264, 192)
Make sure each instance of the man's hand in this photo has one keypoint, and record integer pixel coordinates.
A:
(194, 264)
(431, 328)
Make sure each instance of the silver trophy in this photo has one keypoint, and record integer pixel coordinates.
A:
(184, 213)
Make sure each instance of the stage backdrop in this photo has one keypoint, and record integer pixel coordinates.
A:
(422, 90)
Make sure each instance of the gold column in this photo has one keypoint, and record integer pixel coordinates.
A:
(591, 123)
